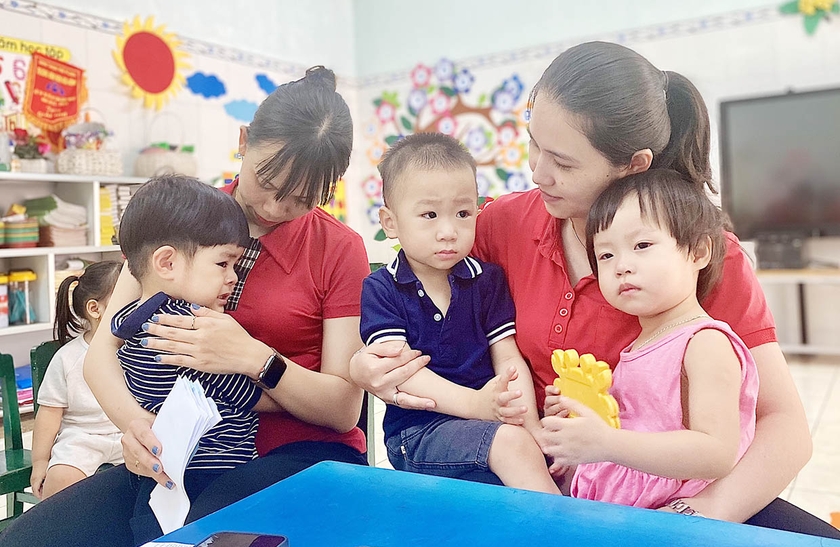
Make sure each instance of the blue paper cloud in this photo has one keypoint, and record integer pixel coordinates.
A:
(241, 110)
(206, 85)
(265, 83)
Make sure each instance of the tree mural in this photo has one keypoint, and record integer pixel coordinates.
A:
(443, 98)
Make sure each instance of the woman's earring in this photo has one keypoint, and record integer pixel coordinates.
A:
(238, 156)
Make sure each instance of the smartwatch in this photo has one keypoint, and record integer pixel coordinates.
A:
(271, 372)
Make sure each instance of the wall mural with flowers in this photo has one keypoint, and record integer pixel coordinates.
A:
(488, 119)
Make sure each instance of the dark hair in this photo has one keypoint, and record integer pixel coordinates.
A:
(625, 104)
(312, 124)
(182, 212)
(96, 283)
(673, 203)
(421, 151)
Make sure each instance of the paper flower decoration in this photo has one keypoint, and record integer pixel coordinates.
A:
(813, 11)
(150, 62)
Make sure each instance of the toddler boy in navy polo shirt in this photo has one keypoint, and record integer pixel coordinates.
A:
(181, 239)
(457, 310)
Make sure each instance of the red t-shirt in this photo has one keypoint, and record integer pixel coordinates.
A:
(309, 269)
(517, 232)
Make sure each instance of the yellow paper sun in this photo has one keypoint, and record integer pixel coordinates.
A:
(150, 62)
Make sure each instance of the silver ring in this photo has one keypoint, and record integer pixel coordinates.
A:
(396, 394)
(192, 326)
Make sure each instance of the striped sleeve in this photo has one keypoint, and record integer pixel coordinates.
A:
(497, 305)
(381, 319)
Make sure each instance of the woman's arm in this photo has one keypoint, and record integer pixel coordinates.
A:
(218, 344)
(782, 445)
(105, 377)
(102, 369)
(47, 424)
(379, 368)
(327, 398)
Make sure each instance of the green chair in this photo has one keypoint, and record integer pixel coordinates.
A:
(40, 357)
(15, 462)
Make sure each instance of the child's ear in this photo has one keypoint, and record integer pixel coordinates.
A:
(93, 309)
(164, 262)
(703, 253)
(388, 222)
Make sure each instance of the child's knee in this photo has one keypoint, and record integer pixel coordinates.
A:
(514, 438)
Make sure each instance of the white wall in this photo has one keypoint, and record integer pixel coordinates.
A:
(395, 34)
(306, 32)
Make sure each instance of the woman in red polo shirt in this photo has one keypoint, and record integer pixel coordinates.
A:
(292, 324)
(601, 112)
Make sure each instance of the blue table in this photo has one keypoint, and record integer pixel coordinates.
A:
(335, 505)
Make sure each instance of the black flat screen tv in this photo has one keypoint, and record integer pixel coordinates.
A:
(780, 164)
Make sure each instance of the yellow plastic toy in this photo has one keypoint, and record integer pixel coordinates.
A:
(587, 380)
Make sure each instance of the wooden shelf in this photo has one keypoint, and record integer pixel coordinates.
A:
(44, 251)
(17, 176)
(22, 329)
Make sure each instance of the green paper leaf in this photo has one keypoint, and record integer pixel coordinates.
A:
(397, 247)
(406, 123)
(790, 8)
(482, 99)
(811, 22)
(376, 102)
(448, 91)
(391, 97)
(391, 139)
(380, 235)
(502, 174)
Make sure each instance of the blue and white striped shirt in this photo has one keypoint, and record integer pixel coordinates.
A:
(230, 442)
(395, 306)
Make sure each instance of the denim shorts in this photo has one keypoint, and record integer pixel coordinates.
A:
(446, 447)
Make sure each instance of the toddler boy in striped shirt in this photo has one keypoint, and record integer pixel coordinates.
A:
(181, 239)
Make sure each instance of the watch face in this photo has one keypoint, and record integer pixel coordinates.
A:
(273, 371)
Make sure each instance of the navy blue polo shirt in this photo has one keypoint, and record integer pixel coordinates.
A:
(230, 442)
(396, 307)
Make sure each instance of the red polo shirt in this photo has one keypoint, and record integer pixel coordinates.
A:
(309, 269)
(516, 232)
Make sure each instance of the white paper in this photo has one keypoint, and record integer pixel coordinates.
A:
(185, 416)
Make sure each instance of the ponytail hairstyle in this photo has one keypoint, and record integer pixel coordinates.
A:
(311, 124)
(96, 283)
(625, 104)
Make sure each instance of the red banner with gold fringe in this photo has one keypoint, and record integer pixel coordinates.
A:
(54, 93)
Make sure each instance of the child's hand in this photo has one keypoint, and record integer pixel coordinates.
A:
(496, 402)
(36, 480)
(572, 441)
(552, 405)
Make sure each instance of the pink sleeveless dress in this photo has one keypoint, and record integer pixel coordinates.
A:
(646, 384)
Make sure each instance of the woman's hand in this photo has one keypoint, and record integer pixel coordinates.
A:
(380, 368)
(140, 450)
(210, 342)
(572, 441)
(496, 399)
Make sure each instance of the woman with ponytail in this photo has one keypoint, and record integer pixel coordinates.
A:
(601, 112)
(291, 324)
(72, 437)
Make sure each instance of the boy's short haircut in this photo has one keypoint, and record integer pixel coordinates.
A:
(675, 204)
(180, 211)
(427, 151)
